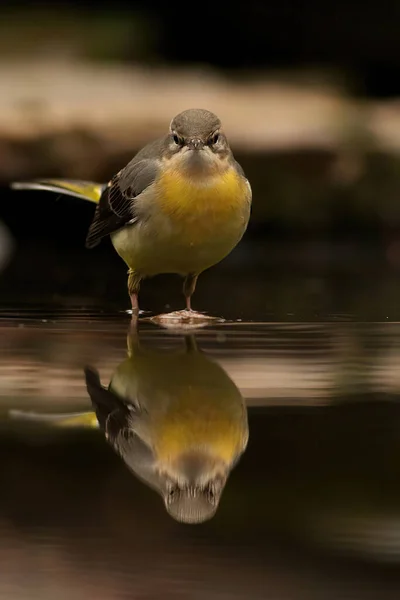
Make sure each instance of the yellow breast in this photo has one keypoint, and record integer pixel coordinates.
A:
(207, 202)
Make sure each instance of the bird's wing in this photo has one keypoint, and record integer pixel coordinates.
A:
(113, 413)
(117, 203)
(117, 419)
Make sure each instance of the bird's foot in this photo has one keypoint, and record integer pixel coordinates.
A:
(184, 319)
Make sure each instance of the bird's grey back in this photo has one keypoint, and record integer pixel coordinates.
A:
(152, 150)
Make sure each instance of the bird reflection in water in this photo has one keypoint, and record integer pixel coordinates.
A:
(177, 420)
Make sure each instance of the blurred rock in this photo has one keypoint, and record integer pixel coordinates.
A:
(57, 115)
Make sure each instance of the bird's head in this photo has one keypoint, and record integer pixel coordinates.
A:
(197, 143)
(194, 485)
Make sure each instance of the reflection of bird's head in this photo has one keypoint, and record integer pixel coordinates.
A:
(194, 486)
(179, 423)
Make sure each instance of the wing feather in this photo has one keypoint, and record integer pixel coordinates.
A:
(116, 207)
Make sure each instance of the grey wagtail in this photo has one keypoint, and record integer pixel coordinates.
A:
(175, 418)
(180, 206)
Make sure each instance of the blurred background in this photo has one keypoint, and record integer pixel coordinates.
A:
(309, 94)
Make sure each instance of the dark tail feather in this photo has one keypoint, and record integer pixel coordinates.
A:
(111, 412)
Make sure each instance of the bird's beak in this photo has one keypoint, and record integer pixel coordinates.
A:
(195, 144)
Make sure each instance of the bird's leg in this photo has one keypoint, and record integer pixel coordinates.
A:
(191, 344)
(133, 336)
(189, 285)
(134, 302)
(134, 321)
(133, 290)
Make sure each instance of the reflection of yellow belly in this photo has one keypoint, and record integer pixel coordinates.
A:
(217, 431)
(190, 226)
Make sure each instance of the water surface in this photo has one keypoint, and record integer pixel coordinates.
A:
(312, 509)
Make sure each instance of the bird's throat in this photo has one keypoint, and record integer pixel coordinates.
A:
(213, 195)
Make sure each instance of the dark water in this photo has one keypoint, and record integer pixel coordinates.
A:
(312, 509)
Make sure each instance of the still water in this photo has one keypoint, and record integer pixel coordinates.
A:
(311, 505)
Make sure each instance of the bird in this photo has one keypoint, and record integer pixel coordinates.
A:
(179, 206)
(174, 417)
(177, 420)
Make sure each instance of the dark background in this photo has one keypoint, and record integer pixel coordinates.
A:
(358, 39)
(302, 196)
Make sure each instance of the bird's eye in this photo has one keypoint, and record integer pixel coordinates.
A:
(211, 494)
(171, 494)
(178, 141)
(214, 138)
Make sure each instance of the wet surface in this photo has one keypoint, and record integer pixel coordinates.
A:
(311, 510)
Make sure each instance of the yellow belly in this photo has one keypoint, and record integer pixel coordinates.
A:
(189, 403)
(190, 225)
(198, 209)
